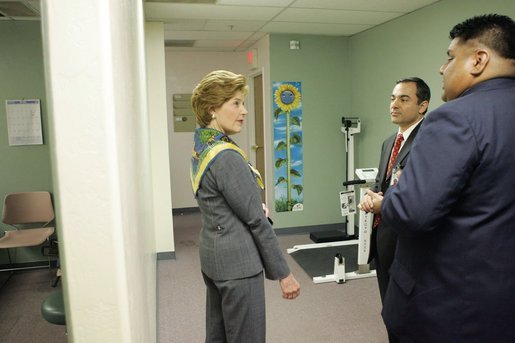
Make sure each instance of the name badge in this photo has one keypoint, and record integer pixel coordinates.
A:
(396, 174)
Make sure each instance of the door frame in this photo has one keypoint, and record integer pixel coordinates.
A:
(251, 128)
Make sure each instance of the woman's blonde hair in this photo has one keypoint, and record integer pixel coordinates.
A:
(213, 91)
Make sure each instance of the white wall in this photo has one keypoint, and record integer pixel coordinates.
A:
(95, 81)
(183, 72)
(156, 94)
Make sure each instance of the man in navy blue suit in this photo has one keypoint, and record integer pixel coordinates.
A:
(453, 275)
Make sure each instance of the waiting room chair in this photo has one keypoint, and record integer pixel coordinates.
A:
(29, 214)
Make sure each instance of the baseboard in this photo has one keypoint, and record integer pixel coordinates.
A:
(310, 229)
(166, 255)
(28, 265)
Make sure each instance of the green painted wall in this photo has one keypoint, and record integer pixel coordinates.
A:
(22, 168)
(413, 45)
(355, 76)
(322, 65)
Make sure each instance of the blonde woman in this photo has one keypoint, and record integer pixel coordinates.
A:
(238, 246)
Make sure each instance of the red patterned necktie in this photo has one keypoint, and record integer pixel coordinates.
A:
(395, 152)
(393, 157)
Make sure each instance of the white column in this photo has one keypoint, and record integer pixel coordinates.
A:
(95, 77)
(156, 84)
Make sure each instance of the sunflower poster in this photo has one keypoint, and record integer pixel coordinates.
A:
(288, 162)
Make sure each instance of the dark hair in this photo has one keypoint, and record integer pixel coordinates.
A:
(494, 30)
(423, 91)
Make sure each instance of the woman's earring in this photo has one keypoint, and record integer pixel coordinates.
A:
(213, 116)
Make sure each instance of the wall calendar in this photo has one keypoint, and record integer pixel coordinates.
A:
(24, 122)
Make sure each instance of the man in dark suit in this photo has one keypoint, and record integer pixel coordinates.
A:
(408, 105)
(453, 276)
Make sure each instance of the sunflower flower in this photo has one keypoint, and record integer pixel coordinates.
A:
(287, 97)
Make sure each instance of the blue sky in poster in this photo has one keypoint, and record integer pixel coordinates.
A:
(295, 149)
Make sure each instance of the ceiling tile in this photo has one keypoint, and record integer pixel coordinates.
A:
(234, 25)
(402, 6)
(315, 28)
(334, 16)
(163, 11)
(185, 25)
(213, 35)
(247, 21)
(201, 43)
(273, 3)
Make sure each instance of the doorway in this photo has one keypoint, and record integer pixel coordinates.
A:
(259, 131)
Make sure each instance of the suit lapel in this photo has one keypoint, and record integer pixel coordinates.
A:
(385, 156)
(404, 152)
(387, 150)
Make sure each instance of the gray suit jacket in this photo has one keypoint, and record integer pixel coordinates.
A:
(236, 239)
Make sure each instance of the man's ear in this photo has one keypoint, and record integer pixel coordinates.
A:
(481, 58)
(422, 107)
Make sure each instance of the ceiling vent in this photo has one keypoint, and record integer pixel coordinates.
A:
(17, 9)
(179, 43)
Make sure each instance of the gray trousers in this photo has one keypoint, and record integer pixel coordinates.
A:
(235, 310)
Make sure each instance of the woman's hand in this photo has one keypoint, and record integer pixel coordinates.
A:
(266, 210)
(290, 287)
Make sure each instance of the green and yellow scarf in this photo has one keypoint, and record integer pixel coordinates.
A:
(207, 144)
